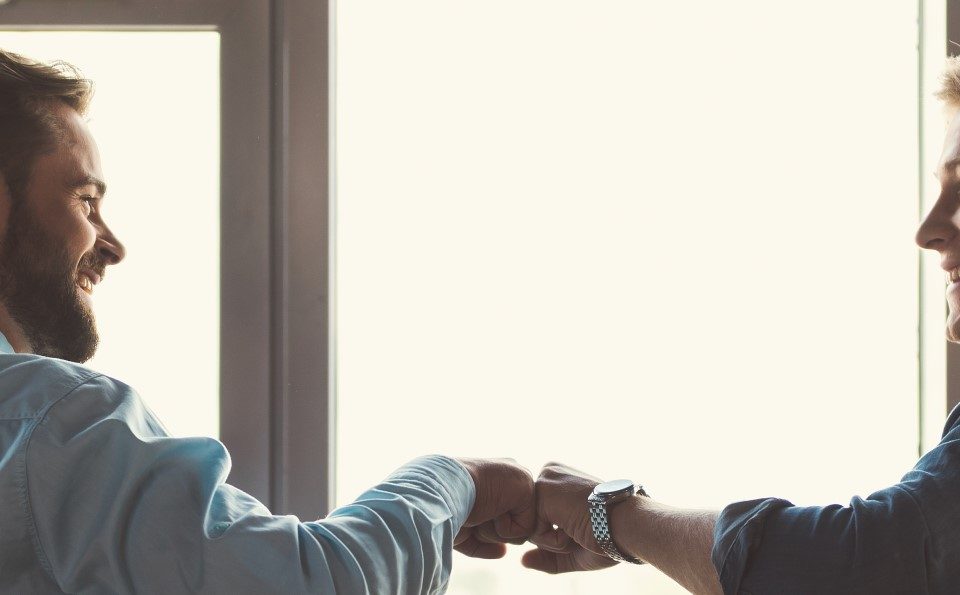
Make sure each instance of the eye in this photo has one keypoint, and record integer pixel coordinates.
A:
(91, 202)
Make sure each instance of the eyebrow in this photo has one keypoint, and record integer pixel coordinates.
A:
(99, 184)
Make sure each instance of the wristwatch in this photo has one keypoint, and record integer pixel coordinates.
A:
(603, 497)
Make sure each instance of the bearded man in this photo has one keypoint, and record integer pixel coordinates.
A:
(97, 497)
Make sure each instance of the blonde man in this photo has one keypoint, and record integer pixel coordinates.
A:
(903, 539)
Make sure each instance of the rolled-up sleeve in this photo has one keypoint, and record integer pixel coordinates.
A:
(902, 539)
(118, 506)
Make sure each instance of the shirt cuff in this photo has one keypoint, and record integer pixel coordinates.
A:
(737, 534)
(450, 479)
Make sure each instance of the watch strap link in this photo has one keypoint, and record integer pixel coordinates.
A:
(601, 531)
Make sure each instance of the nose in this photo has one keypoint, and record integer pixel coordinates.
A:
(940, 227)
(109, 247)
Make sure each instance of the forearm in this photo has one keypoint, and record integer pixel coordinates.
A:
(676, 541)
(399, 534)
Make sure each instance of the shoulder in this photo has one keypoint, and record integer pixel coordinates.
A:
(30, 384)
(100, 435)
(953, 421)
(100, 404)
(66, 397)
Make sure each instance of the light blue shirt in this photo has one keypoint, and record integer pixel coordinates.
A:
(96, 497)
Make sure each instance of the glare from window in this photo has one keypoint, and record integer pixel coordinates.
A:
(664, 241)
(155, 116)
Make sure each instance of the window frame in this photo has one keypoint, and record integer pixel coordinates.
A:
(276, 386)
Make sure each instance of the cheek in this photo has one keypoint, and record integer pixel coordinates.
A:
(66, 231)
(83, 236)
(78, 240)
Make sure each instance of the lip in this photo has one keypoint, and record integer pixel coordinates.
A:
(94, 278)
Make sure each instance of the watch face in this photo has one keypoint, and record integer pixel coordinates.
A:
(612, 488)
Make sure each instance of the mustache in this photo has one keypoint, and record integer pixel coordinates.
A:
(95, 264)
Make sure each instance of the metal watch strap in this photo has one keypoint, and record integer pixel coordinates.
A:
(599, 519)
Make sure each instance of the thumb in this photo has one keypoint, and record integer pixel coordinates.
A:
(557, 562)
(504, 495)
(542, 560)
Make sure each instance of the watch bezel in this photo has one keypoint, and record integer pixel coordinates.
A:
(614, 490)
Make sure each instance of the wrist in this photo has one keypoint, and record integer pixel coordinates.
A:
(470, 465)
(625, 525)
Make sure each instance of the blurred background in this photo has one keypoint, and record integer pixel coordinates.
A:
(671, 242)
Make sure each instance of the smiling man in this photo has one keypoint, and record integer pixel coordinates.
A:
(97, 497)
(56, 245)
(940, 230)
(902, 539)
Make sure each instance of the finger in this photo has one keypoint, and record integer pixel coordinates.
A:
(555, 468)
(545, 561)
(543, 525)
(520, 522)
(475, 548)
(485, 532)
(554, 540)
(488, 533)
(462, 535)
(562, 501)
(562, 490)
(555, 563)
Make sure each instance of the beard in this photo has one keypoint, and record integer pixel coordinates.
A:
(38, 286)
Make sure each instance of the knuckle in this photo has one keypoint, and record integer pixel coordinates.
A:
(552, 470)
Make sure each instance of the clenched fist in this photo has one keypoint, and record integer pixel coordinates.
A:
(564, 535)
(504, 511)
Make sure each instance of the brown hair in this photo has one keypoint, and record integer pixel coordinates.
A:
(28, 127)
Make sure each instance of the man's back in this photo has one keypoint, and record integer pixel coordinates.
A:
(29, 386)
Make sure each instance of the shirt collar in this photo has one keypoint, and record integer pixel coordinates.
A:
(5, 346)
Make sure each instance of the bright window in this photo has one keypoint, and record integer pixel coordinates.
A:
(664, 241)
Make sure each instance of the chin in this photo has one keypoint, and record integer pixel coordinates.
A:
(953, 323)
(953, 330)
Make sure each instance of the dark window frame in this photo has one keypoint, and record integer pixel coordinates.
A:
(276, 386)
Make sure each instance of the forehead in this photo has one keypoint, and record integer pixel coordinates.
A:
(76, 154)
(951, 144)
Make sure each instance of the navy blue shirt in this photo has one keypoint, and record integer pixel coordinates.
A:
(902, 539)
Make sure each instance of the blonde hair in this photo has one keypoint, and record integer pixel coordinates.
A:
(949, 91)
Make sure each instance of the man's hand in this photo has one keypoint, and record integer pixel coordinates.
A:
(677, 542)
(562, 503)
(504, 511)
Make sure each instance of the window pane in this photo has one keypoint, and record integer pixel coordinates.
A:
(155, 116)
(664, 241)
